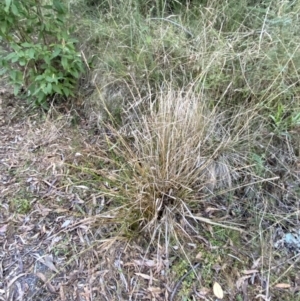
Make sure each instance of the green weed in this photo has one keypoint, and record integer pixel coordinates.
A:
(21, 206)
(43, 58)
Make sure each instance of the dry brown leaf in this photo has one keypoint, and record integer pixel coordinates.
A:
(211, 209)
(3, 229)
(61, 210)
(263, 297)
(256, 263)
(210, 229)
(20, 290)
(87, 293)
(50, 287)
(14, 279)
(62, 293)
(146, 262)
(248, 272)
(154, 290)
(199, 256)
(218, 291)
(241, 280)
(145, 276)
(216, 267)
(66, 223)
(42, 209)
(245, 290)
(282, 285)
(204, 291)
(47, 261)
(42, 277)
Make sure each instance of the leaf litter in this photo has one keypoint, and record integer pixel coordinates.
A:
(49, 252)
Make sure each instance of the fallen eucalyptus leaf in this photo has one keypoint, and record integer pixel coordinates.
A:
(217, 289)
(282, 285)
(3, 229)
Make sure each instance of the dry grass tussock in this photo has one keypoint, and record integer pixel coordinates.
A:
(172, 158)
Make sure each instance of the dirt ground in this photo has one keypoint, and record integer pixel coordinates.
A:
(50, 246)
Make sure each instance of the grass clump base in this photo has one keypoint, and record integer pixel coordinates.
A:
(165, 163)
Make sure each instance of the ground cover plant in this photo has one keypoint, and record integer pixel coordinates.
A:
(41, 57)
(177, 176)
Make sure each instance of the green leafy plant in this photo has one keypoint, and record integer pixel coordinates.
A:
(21, 205)
(42, 54)
(283, 120)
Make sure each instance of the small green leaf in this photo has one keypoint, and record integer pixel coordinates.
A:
(148, 39)
(3, 27)
(50, 79)
(48, 88)
(47, 6)
(22, 62)
(31, 89)
(44, 105)
(15, 59)
(31, 53)
(21, 53)
(26, 44)
(14, 9)
(13, 75)
(36, 90)
(39, 77)
(56, 52)
(47, 60)
(64, 62)
(10, 56)
(75, 73)
(16, 90)
(66, 91)
(72, 41)
(57, 89)
(41, 98)
(59, 7)
(60, 19)
(7, 5)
